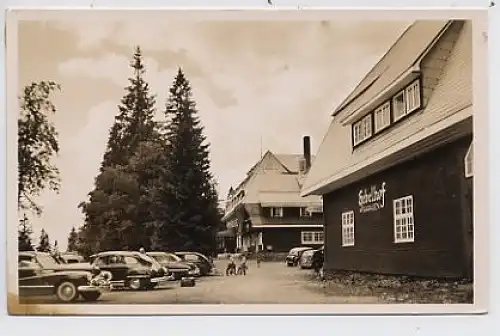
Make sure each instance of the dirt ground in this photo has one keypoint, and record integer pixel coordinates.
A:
(273, 282)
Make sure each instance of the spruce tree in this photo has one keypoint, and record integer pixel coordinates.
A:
(72, 240)
(187, 214)
(24, 235)
(44, 242)
(110, 213)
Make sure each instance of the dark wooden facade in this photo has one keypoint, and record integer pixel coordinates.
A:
(284, 239)
(442, 201)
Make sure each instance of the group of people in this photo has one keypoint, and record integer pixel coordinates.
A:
(237, 264)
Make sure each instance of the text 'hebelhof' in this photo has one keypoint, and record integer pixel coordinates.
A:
(371, 199)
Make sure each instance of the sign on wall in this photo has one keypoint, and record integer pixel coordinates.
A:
(372, 199)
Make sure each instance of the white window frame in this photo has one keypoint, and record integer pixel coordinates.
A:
(362, 129)
(276, 212)
(382, 117)
(469, 162)
(398, 114)
(403, 213)
(312, 237)
(412, 96)
(304, 212)
(348, 228)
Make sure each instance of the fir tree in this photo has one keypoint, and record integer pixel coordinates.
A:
(37, 144)
(187, 214)
(72, 240)
(44, 242)
(24, 236)
(110, 211)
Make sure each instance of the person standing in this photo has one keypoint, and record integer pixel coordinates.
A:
(231, 265)
(259, 258)
(242, 268)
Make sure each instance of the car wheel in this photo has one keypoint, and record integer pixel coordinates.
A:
(135, 284)
(66, 291)
(90, 296)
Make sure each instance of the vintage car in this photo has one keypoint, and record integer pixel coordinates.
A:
(306, 260)
(131, 269)
(40, 275)
(204, 264)
(293, 257)
(71, 258)
(177, 268)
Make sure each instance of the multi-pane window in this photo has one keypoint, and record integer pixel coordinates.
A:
(382, 117)
(407, 100)
(469, 162)
(276, 212)
(404, 228)
(304, 212)
(362, 130)
(412, 96)
(348, 228)
(399, 106)
(312, 237)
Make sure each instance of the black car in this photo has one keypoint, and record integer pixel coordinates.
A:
(131, 269)
(204, 264)
(293, 257)
(177, 268)
(40, 275)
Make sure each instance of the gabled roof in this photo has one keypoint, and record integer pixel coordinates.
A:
(402, 55)
(284, 183)
(337, 164)
(291, 161)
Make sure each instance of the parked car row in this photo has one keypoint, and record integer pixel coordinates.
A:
(59, 274)
(305, 257)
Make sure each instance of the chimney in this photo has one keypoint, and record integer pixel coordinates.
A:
(307, 151)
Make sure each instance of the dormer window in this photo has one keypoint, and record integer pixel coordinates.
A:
(412, 94)
(382, 117)
(407, 101)
(399, 106)
(362, 130)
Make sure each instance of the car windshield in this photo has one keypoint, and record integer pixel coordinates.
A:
(160, 257)
(46, 261)
(308, 253)
(173, 257)
(191, 257)
(296, 251)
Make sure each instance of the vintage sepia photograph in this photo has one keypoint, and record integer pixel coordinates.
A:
(178, 158)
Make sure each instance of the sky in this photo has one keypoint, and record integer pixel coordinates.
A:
(258, 86)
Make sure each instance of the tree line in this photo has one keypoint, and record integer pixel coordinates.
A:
(154, 188)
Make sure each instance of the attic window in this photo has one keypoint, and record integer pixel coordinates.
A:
(362, 130)
(399, 106)
(382, 117)
(407, 100)
(469, 162)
